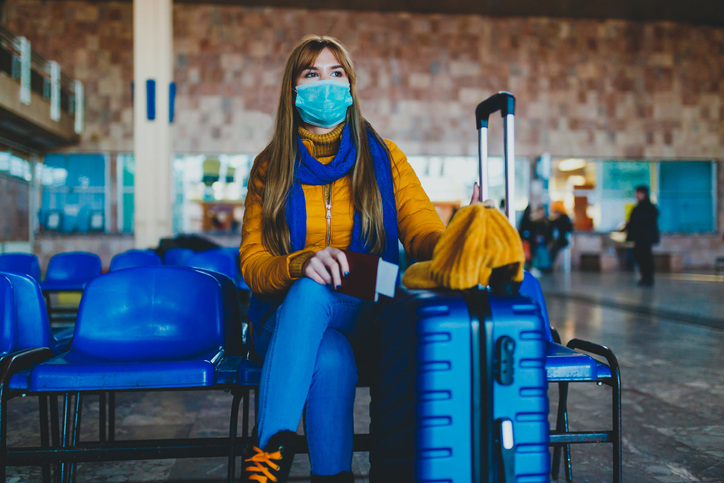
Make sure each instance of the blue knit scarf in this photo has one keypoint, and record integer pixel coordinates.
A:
(310, 171)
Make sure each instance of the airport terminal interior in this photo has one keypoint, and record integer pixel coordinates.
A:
(133, 125)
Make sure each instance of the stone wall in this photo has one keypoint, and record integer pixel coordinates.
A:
(584, 87)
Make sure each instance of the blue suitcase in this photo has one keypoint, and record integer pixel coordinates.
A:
(456, 372)
(459, 393)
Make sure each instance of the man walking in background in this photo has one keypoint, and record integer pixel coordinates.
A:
(642, 229)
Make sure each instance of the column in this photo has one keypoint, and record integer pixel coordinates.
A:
(152, 134)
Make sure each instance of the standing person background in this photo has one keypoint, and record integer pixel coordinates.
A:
(560, 227)
(527, 235)
(642, 229)
(326, 182)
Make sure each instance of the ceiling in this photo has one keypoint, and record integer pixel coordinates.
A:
(709, 12)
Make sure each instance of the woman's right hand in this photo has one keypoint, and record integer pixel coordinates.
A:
(326, 267)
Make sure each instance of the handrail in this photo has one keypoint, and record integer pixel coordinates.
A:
(37, 60)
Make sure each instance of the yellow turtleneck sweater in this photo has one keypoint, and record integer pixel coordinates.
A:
(324, 146)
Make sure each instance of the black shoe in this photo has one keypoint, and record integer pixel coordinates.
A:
(338, 478)
(272, 464)
(645, 283)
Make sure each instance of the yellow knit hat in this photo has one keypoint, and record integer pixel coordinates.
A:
(477, 240)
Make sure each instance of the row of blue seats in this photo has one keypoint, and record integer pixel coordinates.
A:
(73, 270)
(192, 338)
(83, 266)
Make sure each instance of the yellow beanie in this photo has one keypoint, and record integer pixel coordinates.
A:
(477, 240)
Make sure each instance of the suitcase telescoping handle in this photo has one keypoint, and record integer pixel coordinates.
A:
(505, 103)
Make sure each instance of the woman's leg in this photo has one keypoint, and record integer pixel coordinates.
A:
(328, 417)
(301, 322)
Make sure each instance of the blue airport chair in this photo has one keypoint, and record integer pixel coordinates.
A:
(24, 337)
(68, 272)
(32, 323)
(134, 258)
(8, 335)
(25, 263)
(177, 256)
(71, 271)
(121, 344)
(571, 363)
(221, 260)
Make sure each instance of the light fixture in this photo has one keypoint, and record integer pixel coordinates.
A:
(571, 164)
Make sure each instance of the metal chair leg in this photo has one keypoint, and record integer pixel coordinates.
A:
(76, 431)
(3, 432)
(233, 426)
(44, 438)
(562, 428)
(55, 434)
(256, 404)
(102, 417)
(111, 416)
(567, 447)
(66, 434)
(616, 421)
(245, 414)
(556, 463)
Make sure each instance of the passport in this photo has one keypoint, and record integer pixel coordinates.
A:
(369, 276)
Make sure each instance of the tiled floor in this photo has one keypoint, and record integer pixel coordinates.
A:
(672, 372)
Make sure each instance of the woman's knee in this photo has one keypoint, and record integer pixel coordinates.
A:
(306, 294)
(307, 302)
(335, 366)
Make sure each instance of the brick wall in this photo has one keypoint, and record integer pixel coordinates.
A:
(584, 87)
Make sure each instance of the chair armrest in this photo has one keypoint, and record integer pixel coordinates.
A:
(19, 361)
(599, 350)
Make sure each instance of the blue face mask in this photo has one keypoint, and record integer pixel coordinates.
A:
(323, 103)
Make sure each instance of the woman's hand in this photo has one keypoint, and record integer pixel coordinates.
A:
(476, 197)
(326, 267)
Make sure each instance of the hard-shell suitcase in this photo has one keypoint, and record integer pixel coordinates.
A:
(460, 390)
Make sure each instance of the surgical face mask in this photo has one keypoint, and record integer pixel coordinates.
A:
(323, 103)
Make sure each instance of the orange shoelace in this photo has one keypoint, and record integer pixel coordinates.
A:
(262, 458)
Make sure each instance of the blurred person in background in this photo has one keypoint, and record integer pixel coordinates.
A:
(542, 236)
(643, 231)
(560, 227)
(527, 235)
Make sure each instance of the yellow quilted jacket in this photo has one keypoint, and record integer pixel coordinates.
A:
(419, 225)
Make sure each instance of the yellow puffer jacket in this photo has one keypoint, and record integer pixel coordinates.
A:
(419, 225)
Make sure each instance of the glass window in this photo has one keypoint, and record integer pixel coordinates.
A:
(619, 180)
(15, 166)
(210, 192)
(686, 197)
(73, 192)
(448, 181)
(599, 194)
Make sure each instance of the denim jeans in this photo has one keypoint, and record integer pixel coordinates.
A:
(309, 365)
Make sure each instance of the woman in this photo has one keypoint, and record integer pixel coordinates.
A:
(326, 182)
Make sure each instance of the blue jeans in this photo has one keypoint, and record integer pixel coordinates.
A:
(309, 365)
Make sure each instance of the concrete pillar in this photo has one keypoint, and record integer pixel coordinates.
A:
(152, 134)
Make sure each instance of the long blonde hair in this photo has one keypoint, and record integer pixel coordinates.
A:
(281, 153)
